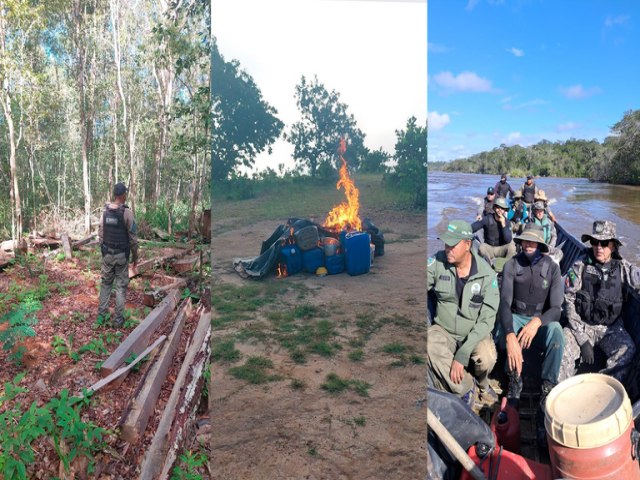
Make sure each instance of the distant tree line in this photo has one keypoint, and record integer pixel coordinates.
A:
(615, 160)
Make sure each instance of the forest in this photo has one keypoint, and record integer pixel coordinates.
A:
(615, 160)
(99, 92)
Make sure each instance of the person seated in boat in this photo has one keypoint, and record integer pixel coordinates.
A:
(593, 302)
(460, 350)
(518, 213)
(498, 239)
(502, 188)
(541, 218)
(529, 191)
(542, 197)
(531, 298)
(487, 206)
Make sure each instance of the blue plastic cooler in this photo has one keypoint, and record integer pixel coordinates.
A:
(312, 260)
(292, 257)
(357, 253)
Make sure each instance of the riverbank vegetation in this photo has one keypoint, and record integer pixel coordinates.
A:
(615, 160)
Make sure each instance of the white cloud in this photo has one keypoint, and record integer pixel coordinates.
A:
(610, 21)
(464, 82)
(438, 121)
(516, 51)
(437, 48)
(565, 127)
(530, 104)
(471, 4)
(578, 91)
(512, 139)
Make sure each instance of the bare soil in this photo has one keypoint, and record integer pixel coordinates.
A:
(275, 431)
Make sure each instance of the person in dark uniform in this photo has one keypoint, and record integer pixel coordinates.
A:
(531, 299)
(518, 213)
(503, 188)
(118, 241)
(498, 238)
(529, 191)
(594, 297)
(487, 207)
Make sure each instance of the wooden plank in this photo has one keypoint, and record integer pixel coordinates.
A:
(152, 297)
(143, 404)
(79, 243)
(45, 242)
(139, 338)
(66, 246)
(110, 378)
(186, 264)
(157, 262)
(156, 454)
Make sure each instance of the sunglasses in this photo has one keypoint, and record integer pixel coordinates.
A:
(602, 243)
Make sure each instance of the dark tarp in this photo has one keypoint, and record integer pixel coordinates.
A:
(267, 261)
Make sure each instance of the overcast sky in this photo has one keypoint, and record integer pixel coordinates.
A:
(372, 52)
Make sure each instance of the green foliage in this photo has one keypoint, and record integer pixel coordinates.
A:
(394, 348)
(356, 355)
(316, 136)
(225, 351)
(95, 346)
(375, 161)
(297, 384)
(20, 325)
(187, 466)
(360, 421)
(59, 420)
(335, 384)
(254, 371)
(411, 157)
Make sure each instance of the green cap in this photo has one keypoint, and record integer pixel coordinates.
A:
(457, 230)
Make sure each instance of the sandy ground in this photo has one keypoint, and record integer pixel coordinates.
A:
(272, 431)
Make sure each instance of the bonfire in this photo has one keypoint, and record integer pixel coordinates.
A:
(345, 216)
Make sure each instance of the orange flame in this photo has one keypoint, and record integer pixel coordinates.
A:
(345, 216)
(281, 270)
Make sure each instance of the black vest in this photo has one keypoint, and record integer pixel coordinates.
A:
(502, 189)
(530, 285)
(529, 192)
(114, 231)
(488, 207)
(492, 232)
(600, 300)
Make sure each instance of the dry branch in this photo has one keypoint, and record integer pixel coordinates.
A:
(157, 262)
(152, 297)
(77, 244)
(183, 395)
(66, 246)
(139, 338)
(143, 404)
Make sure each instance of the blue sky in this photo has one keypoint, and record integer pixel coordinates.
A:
(519, 71)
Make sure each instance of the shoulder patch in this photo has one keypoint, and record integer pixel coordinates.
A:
(430, 261)
(571, 278)
(494, 284)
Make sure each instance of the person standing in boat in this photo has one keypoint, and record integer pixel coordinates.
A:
(542, 197)
(503, 188)
(531, 298)
(529, 190)
(541, 218)
(518, 213)
(498, 239)
(593, 302)
(487, 207)
(460, 350)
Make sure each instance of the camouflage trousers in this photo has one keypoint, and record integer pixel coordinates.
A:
(441, 348)
(506, 251)
(115, 268)
(613, 340)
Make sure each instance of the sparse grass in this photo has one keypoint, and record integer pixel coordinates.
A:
(298, 356)
(334, 384)
(416, 359)
(395, 348)
(306, 311)
(298, 384)
(254, 371)
(225, 351)
(360, 421)
(402, 238)
(356, 355)
(254, 332)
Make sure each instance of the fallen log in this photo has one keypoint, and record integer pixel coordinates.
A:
(186, 264)
(162, 452)
(122, 370)
(139, 338)
(135, 421)
(79, 243)
(66, 246)
(152, 297)
(157, 262)
(45, 242)
(5, 258)
(161, 233)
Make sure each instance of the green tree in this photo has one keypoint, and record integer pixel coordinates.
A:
(411, 158)
(375, 161)
(243, 123)
(316, 137)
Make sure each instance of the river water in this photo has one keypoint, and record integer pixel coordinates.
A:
(575, 202)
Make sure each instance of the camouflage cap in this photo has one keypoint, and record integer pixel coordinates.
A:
(501, 203)
(602, 230)
(457, 230)
(538, 206)
(533, 233)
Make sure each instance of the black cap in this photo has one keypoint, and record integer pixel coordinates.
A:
(120, 189)
(529, 177)
(490, 191)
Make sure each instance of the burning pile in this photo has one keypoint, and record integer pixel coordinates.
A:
(345, 216)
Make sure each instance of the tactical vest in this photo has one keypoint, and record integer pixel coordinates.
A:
(492, 232)
(114, 231)
(488, 207)
(502, 189)
(600, 300)
(546, 226)
(529, 192)
(530, 286)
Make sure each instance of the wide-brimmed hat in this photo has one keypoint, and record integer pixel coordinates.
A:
(518, 194)
(540, 195)
(602, 230)
(533, 233)
(457, 230)
(538, 205)
(502, 203)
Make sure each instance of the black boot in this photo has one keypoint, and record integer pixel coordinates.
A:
(541, 432)
(514, 389)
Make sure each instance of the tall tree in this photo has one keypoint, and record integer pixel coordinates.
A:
(316, 136)
(244, 124)
(411, 157)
